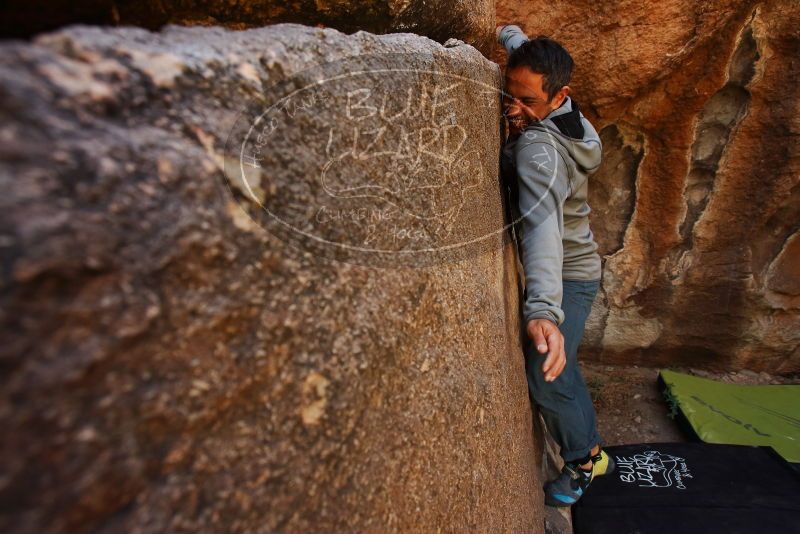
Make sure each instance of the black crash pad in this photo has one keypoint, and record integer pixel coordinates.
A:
(687, 488)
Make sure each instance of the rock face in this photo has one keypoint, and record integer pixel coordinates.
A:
(697, 205)
(169, 365)
(471, 21)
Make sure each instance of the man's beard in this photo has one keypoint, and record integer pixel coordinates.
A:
(521, 122)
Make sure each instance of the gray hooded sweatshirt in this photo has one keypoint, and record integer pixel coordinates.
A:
(552, 160)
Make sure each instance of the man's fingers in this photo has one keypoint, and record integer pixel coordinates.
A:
(562, 363)
(559, 363)
(551, 360)
(554, 344)
(539, 340)
(556, 353)
(548, 338)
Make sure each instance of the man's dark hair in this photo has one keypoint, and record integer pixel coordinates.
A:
(547, 57)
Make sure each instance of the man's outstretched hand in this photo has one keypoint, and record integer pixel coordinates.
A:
(548, 339)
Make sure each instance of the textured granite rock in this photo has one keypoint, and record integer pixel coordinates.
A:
(469, 20)
(696, 208)
(169, 365)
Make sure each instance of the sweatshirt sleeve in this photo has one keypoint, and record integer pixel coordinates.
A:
(543, 188)
(511, 36)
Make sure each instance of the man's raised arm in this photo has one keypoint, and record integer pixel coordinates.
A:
(510, 36)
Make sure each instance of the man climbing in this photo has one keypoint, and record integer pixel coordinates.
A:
(550, 152)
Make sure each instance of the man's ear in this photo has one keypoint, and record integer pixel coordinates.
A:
(563, 93)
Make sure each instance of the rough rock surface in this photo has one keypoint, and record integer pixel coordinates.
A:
(697, 206)
(170, 366)
(469, 20)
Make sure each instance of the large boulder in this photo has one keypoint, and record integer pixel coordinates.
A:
(697, 203)
(469, 20)
(171, 365)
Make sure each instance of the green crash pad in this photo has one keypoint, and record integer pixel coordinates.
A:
(738, 415)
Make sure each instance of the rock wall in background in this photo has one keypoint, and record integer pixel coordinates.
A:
(697, 205)
(168, 365)
(469, 20)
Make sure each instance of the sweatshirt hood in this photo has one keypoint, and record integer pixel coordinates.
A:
(570, 128)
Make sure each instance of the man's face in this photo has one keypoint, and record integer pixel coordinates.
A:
(525, 100)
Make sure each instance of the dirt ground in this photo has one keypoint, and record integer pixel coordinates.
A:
(630, 408)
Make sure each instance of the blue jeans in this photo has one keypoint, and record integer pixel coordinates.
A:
(565, 403)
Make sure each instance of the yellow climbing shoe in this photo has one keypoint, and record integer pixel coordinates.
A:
(602, 464)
